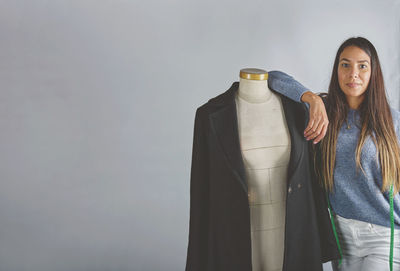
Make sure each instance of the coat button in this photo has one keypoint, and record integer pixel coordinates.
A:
(290, 190)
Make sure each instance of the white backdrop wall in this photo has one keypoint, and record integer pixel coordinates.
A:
(97, 103)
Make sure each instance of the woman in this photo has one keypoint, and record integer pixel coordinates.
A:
(358, 160)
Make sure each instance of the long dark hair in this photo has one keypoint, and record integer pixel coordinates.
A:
(376, 119)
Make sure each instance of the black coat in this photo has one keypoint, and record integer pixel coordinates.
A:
(219, 231)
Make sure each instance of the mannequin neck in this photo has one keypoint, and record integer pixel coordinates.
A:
(254, 91)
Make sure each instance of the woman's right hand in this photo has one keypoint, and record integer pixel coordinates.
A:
(318, 122)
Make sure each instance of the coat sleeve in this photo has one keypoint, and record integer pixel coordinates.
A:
(199, 198)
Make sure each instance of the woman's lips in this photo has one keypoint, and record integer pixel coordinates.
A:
(353, 85)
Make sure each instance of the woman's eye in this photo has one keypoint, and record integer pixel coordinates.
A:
(363, 66)
(345, 65)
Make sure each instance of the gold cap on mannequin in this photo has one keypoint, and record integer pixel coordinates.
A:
(253, 74)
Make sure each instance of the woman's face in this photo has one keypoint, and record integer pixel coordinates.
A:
(354, 72)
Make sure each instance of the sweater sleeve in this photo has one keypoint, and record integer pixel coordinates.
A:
(286, 85)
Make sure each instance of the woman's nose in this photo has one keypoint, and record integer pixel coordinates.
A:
(354, 73)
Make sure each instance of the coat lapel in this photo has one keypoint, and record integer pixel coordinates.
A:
(225, 126)
(294, 115)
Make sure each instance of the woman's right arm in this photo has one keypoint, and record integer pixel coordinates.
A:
(289, 87)
(286, 85)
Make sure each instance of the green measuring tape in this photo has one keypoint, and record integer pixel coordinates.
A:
(334, 230)
(391, 229)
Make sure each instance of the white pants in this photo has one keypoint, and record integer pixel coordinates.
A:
(365, 246)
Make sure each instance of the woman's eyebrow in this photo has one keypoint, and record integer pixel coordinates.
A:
(360, 61)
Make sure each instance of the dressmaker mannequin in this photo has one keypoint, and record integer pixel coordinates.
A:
(241, 218)
(265, 146)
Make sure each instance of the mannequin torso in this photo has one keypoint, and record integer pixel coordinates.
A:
(265, 145)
